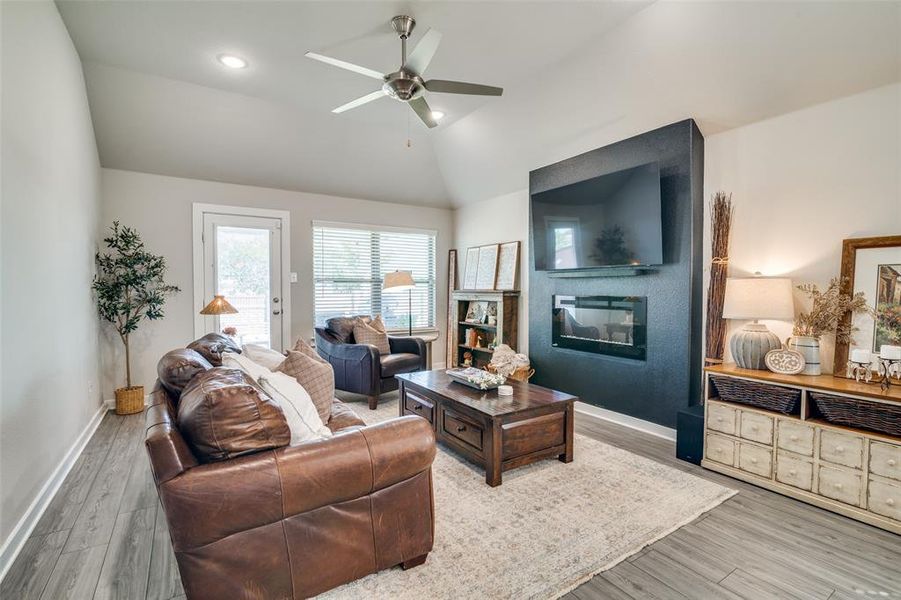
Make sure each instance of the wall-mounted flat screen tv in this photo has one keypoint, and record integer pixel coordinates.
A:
(608, 221)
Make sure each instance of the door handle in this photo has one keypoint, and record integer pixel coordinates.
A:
(276, 300)
(276, 312)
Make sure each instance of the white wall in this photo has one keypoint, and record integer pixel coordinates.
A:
(803, 182)
(50, 209)
(501, 219)
(160, 208)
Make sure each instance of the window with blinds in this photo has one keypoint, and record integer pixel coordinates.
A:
(350, 263)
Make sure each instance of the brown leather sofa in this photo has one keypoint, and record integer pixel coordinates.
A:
(294, 521)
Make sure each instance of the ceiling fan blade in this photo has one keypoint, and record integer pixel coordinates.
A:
(421, 108)
(346, 65)
(461, 87)
(422, 54)
(360, 101)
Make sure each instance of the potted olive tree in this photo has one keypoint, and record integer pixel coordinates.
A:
(129, 287)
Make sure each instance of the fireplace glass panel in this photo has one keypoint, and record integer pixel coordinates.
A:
(612, 325)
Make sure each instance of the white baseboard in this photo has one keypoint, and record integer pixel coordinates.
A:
(438, 366)
(621, 419)
(20, 533)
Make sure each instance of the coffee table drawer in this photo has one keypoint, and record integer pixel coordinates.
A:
(531, 435)
(460, 428)
(414, 404)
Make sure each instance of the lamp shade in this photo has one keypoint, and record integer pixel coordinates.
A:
(755, 298)
(398, 280)
(218, 306)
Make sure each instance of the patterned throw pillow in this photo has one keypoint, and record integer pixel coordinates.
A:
(369, 333)
(316, 376)
(377, 323)
(302, 346)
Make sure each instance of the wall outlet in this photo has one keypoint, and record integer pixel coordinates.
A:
(293, 277)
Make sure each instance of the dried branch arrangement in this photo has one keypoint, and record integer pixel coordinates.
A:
(825, 315)
(720, 225)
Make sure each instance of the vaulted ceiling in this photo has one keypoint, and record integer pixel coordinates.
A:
(576, 75)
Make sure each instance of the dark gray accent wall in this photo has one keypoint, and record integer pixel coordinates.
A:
(670, 378)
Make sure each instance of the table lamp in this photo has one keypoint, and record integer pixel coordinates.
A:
(219, 306)
(754, 298)
(402, 280)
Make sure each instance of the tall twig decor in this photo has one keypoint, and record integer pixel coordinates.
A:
(720, 224)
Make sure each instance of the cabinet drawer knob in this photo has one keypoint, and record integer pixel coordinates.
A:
(755, 428)
(892, 462)
(890, 501)
(793, 438)
(839, 449)
(753, 461)
(417, 407)
(718, 450)
(461, 427)
(719, 419)
(838, 486)
(792, 472)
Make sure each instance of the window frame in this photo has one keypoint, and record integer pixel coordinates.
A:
(370, 228)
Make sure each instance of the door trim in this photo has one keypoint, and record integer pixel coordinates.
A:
(199, 209)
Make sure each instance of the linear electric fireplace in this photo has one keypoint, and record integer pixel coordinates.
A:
(613, 325)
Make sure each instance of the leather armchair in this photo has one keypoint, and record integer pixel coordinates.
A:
(298, 520)
(362, 369)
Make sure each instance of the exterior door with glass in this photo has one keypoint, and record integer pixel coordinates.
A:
(242, 258)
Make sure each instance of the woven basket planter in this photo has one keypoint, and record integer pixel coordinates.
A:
(760, 395)
(851, 412)
(520, 374)
(130, 400)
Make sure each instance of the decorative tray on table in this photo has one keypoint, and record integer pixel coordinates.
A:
(476, 378)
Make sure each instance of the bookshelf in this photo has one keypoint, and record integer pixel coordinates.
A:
(484, 319)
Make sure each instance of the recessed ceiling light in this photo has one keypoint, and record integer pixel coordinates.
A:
(437, 115)
(232, 62)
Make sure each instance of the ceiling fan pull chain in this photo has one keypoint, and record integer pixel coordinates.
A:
(409, 143)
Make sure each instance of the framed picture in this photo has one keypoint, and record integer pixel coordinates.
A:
(487, 271)
(471, 270)
(476, 311)
(450, 350)
(508, 267)
(872, 266)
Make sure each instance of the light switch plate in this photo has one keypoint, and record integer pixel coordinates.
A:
(293, 277)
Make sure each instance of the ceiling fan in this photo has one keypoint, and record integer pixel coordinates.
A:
(407, 84)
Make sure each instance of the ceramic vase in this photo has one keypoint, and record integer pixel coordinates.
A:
(809, 347)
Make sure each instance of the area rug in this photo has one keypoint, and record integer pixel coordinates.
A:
(548, 528)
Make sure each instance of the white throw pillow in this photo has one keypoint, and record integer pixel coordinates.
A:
(300, 412)
(233, 360)
(263, 356)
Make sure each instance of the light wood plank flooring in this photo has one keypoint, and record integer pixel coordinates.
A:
(104, 536)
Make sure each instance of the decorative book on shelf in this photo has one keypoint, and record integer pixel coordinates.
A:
(483, 320)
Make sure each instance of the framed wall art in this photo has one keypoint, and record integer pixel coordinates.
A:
(508, 267)
(872, 266)
(487, 270)
(471, 269)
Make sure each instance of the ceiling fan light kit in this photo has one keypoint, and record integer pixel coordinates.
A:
(407, 84)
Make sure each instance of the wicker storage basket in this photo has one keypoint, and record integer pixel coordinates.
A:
(881, 418)
(130, 400)
(762, 395)
(520, 374)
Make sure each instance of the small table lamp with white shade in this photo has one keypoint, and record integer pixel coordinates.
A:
(754, 298)
(402, 280)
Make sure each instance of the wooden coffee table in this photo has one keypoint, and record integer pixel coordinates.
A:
(497, 432)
